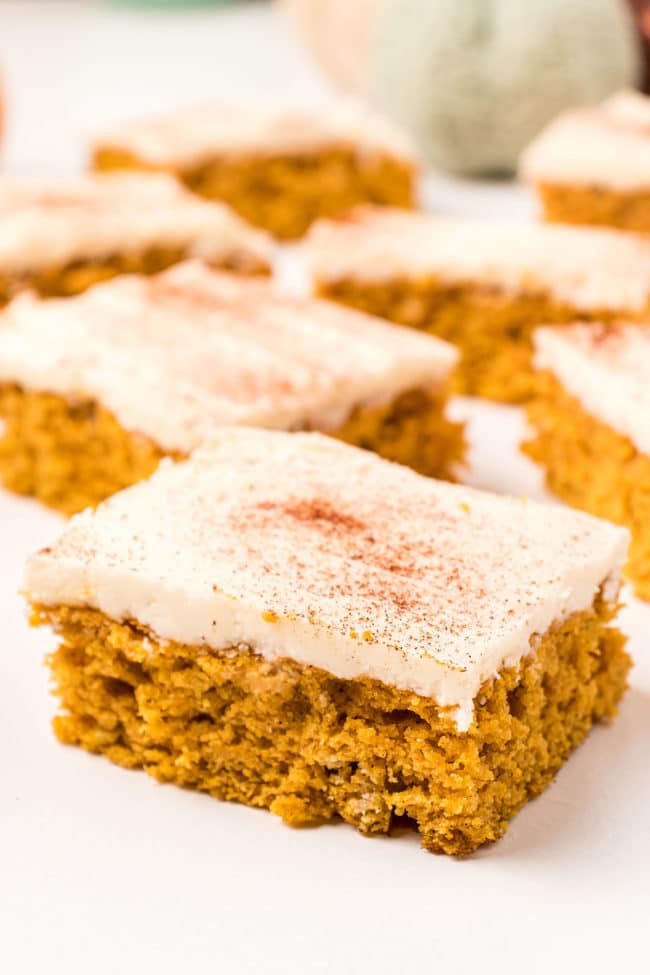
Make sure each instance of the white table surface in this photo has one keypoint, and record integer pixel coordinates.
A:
(105, 871)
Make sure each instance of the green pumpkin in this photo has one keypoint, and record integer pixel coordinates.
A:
(475, 80)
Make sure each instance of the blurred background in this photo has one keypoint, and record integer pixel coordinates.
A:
(471, 80)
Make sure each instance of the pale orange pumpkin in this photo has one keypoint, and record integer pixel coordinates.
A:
(338, 35)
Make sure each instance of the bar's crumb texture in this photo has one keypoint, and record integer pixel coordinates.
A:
(285, 195)
(278, 170)
(69, 455)
(628, 211)
(491, 328)
(482, 287)
(592, 165)
(311, 747)
(289, 622)
(591, 429)
(77, 276)
(60, 238)
(73, 454)
(593, 467)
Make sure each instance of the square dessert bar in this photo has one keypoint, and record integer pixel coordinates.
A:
(94, 390)
(483, 286)
(592, 426)
(59, 237)
(289, 622)
(279, 169)
(592, 165)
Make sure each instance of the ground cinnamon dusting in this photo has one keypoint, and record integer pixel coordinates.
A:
(317, 512)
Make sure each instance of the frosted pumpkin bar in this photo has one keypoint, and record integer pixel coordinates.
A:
(592, 426)
(94, 390)
(280, 169)
(293, 623)
(482, 285)
(592, 165)
(58, 237)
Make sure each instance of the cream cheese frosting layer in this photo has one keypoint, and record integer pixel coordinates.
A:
(607, 146)
(175, 355)
(299, 546)
(589, 269)
(50, 223)
(195, 135)
(607, 369)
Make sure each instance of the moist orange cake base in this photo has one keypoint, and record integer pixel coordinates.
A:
(286, 194)
(72, 455)
(311, 747)
(592, 467)
(593, 205)
(74, 278)
(69, 455)
(493, 329)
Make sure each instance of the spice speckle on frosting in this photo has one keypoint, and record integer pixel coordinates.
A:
(371, 569)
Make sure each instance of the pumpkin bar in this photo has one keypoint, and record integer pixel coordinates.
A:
(482, 285)
(58, 237)
(592, 426)
(280, 169)
(592, 165)
(94, 390)
(292, 623)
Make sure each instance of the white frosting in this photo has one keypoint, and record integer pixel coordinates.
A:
(607, 146)
(589, 269)
(299, 546)
(50, 223)
(175, 355)
(192, 136)
(607, 369)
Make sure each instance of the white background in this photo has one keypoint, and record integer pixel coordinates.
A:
(103, 870)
